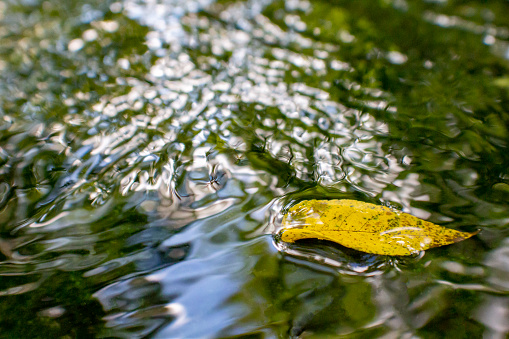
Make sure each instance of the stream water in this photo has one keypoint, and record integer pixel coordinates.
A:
(148, 150)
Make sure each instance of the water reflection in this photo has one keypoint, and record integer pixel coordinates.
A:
(147, 150)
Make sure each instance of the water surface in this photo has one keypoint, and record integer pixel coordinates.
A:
(149, 148)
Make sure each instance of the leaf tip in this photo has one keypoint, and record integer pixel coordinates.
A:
(464, 236)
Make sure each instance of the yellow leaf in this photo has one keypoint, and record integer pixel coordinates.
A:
(365, 227)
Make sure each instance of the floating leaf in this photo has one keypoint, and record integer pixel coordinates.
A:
(365, 227)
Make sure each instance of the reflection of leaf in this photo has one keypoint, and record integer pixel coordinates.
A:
(365, 227)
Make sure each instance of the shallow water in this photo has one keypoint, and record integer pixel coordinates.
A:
(149, 148)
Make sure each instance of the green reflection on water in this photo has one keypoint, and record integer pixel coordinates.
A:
(146, 152)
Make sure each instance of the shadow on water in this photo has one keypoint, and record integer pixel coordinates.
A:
(148, 150)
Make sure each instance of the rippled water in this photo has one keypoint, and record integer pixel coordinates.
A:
(149, 148)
